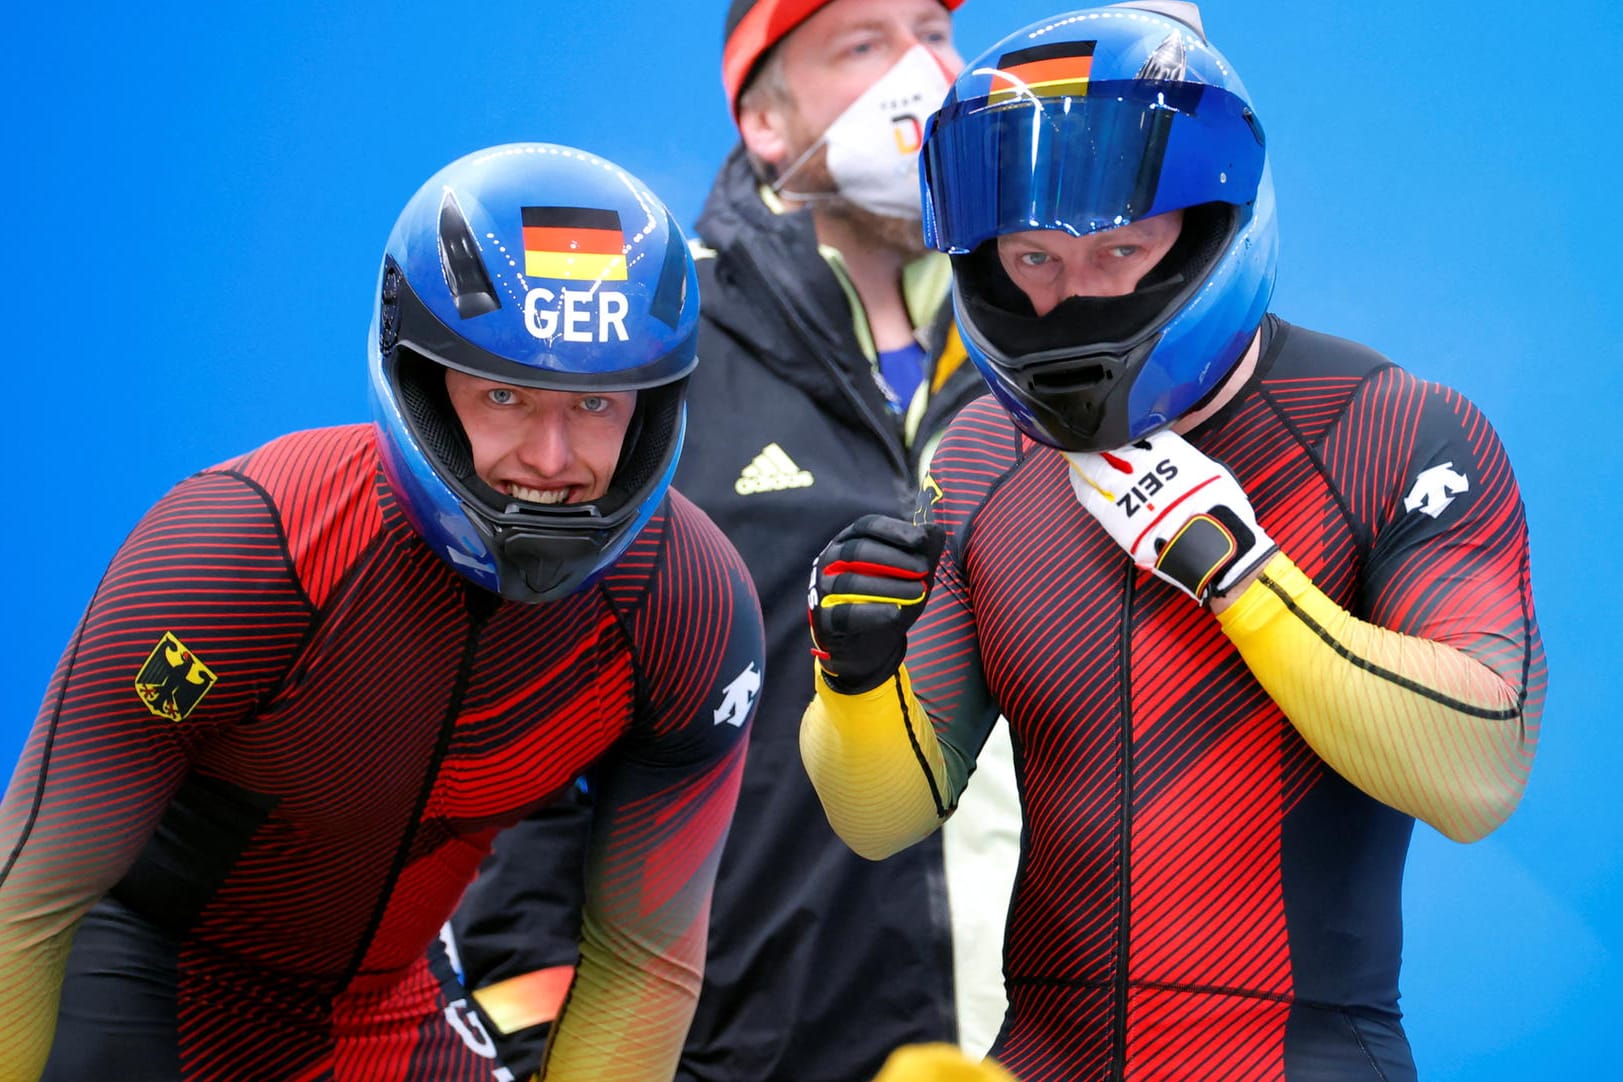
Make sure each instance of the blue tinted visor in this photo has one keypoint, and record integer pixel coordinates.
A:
(1126, 150)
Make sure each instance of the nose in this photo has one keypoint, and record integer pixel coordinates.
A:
(544, 446)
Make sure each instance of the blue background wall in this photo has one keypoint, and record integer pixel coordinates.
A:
(199, 196)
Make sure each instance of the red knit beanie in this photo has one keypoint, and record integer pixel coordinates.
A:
(754, 26)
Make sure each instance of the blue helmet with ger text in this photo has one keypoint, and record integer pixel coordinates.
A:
(1081, 123)
(534, 265)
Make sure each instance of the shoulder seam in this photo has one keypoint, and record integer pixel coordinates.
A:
(274, 688)
(280, 526)
(1019, 458)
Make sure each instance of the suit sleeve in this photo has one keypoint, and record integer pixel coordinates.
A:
(663, 802)
(158, 663)
(889, 765)
(517, 929)
(1431, 704)
(877, 766)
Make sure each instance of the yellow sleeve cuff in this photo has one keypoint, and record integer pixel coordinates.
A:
(876, 765)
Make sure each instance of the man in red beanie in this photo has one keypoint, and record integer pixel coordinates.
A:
(829, 365)
(831, 99)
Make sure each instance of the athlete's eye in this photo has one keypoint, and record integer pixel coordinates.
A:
(501, 396)
(594, 403)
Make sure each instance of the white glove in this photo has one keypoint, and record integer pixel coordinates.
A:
(1178, 513)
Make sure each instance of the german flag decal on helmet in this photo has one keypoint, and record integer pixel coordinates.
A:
(1061, 69)
(173, 680)
(574, 242)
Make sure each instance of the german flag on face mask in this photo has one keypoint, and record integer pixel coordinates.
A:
(577, 243)
(1047, 71)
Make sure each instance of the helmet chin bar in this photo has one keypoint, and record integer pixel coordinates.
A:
(1071, 370)
(1067, 376)
(1076, 323)
(1073, 397)
(546, 565)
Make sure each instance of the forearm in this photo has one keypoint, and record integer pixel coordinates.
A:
(629, 1008)
(30, 989)
(876, 765)
(1416, 724)
(660, 823)
(46, 888)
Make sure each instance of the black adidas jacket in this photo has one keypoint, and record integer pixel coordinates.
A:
(820, 962)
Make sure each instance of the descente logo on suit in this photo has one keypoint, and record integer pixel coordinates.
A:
(771, 471)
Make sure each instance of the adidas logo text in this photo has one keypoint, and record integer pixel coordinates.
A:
(772, 471)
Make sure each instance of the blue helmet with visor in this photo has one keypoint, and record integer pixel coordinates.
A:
(534, 265)
(1082, 123)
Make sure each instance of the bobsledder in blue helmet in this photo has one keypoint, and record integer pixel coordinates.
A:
(1082, 123)
(541, 266)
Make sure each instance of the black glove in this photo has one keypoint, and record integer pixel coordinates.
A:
(867, 588)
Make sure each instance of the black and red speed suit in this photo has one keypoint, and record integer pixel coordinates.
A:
(1217, 811)
(278, 746)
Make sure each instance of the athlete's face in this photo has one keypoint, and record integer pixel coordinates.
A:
(1051, 266)
(541, 446)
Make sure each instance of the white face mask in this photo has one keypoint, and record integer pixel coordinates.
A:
(873, 147)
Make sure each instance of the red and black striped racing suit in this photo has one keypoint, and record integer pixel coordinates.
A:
(279, 745)
(1207, 888)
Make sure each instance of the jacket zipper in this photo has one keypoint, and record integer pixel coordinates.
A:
(808, 338)
(1124, 860)
(459, 688)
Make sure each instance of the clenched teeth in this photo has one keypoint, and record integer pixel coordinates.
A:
(535, 495)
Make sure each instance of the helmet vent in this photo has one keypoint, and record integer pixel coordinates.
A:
(671, 291)
(464, 270)
(389, 309)
(1076, 377)
(1169, 63)
(1255, 125)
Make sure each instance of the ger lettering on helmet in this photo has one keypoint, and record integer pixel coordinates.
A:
(1081, 123)
(538, 266)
